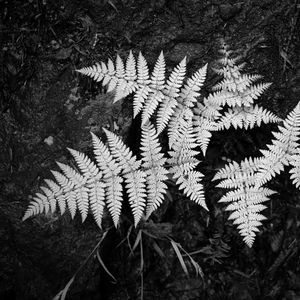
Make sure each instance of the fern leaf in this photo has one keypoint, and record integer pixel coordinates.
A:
(246, 117)
(153, 163)
(202, 130)
(246, 206)
(190, 91)
(236, 174)
(295, 170)
(94, 185)
(246, 197)
(158, 74)
(59, 195)
(134, 178)
(143, 85)
(68, 189)
(164, 113)
(171, 92)
(253, 93)
(186, 100)
(282, 148)
(182, 160)
(130, 74)
(80, 189)
(178, 121)
(156, 86)
(113, 182)
(37, 206)
(151, 104)
(50, 197)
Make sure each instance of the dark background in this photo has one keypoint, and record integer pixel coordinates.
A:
(45, 106)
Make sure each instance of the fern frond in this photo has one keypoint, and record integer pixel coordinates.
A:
(246, 117)
(143, 82)
(58, 193)
(153, 163)
(246, 197)
(202, 130)
(235, 98)
(190, 90)
(134, 178)
(111, 174)
(280, 152)
(181, 116)
(182, 160)
(68, 190)
(246, 209)
(186, 100)
(248, 165)
(158, 74)
(295, 170)
(171, 92)
(95, 187)
(85, 190)
(204, 122)
(239, 84)
(80, 189)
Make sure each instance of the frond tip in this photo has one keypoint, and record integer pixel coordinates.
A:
(245, 199)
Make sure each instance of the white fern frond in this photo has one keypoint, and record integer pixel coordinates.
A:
(151, 104)
(239, 84)
(208, 109)
(186, 100)
(235, 98)
(182, 161)
(143, 82)
(202, 129)
(95, 187)
(134, 178)
(58, 193)
(246, 117)
(112, 179)
(157, 85)
(182, 114)
(158, 74)
(245, 202)
(280, 152)
(190, 90)
(295, 170)
(245, 197)
(153, 164)
(171, 92)
(80, 189)
(235, 171)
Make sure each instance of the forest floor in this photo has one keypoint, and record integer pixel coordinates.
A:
(46, 107)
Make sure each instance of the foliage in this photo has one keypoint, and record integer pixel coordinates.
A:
(173, 103)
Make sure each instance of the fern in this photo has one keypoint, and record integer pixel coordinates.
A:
(153, 164)
(283, 149)
(97, 185)
(150, 92)
(182, 160)
(245, 199)
(174, 101)
(247, 178)
(232, 103)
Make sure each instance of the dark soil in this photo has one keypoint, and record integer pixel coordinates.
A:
(45, 107)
